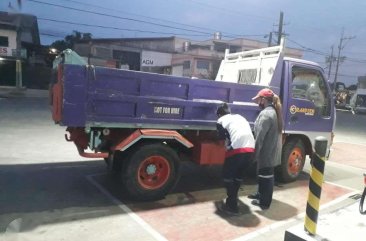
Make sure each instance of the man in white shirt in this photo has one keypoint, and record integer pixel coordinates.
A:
(240, 143)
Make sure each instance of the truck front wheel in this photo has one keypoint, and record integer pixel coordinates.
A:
(151, 172)
(293, 160)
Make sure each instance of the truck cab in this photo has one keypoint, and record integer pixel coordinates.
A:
(308, 109)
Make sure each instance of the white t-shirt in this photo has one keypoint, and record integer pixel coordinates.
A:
(237, 132)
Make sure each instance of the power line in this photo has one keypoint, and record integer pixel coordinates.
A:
(310, 50)
(118, 17)
(123, 18)
(307, 49)
(124, 29)
(109, 27)
(51, 35)
(142, 21)
(361, 61)
(139, 15)
(226, 10)
(344, 75)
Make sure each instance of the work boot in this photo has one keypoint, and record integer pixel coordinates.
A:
(224, 208)
(265, 188)
(255, 195)
(256, 202)
(232, 195)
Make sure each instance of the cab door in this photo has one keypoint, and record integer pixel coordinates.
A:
(310, 110)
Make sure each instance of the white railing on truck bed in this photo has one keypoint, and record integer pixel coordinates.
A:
(250, 67)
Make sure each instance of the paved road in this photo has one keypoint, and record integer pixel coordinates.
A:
(350, 128)
(48, 192)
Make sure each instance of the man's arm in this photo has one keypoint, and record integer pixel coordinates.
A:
(221, 132)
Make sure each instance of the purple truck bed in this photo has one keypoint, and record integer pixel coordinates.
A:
(103, 97)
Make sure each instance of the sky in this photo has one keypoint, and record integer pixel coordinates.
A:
(313, 25)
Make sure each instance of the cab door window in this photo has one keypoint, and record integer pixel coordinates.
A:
(309, 84)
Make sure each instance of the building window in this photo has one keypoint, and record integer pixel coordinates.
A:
(187, 64)
(4, 41)
(203, 64)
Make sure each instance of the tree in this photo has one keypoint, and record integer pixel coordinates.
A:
(70, 40)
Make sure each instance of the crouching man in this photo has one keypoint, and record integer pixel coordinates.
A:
(239, 141)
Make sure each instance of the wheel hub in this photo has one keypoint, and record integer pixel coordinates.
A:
(295, 161)
(151, 169)
(153, 172)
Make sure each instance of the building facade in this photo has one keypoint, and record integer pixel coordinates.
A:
(168, 55)
(19, 38)
(16, 31)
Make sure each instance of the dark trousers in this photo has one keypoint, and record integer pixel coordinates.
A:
(232, 173)
(265, 185)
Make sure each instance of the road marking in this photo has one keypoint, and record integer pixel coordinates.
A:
(342, 186)
(298, 217)
(343, 110)
(68, 166)
(14, 226)
(126, 209)
(357, 144)
(348, 166)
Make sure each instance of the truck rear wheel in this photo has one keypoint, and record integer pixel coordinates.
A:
(151, 172)
(114, 163)
(293, 160)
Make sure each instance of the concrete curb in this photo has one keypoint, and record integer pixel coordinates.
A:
(13, 92)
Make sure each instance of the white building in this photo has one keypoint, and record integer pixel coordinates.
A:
(18, 37)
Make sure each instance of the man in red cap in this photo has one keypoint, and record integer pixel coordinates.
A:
(267, 132)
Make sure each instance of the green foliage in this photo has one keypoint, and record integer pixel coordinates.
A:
(70, 40)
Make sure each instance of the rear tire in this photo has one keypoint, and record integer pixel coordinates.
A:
(150, 172)
(114, 163)
(292, 161)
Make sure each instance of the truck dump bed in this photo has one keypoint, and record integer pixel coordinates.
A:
(86, 96)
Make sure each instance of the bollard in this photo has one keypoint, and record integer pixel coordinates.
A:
(315, 184)
(362, 200)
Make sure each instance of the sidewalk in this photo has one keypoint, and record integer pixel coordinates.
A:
(343, 224)
(13, 92)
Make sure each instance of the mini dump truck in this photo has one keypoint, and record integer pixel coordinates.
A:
(145, 124)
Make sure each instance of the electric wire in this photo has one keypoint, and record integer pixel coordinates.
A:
(124, 18)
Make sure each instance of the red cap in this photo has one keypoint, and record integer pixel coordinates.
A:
(267, 93)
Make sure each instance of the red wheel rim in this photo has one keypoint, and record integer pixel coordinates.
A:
(295, 161)
(153, 172)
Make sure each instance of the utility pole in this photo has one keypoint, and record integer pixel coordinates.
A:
(340, 47)
(270, 39)
(18, 61)
(280, 27)
(330, 62)
(18, 47)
